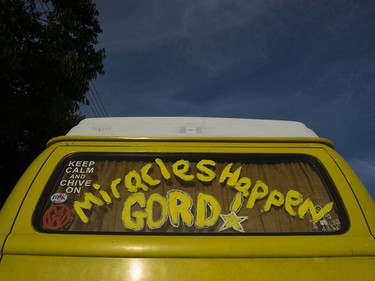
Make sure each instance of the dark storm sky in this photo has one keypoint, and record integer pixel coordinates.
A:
(309, 61)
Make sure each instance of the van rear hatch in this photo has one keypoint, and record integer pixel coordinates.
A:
(120, 209)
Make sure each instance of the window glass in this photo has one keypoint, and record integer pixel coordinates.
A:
(190, 193)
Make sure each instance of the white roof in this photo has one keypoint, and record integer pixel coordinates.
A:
(189, 127)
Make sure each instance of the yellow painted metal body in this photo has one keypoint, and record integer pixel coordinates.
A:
(27, 254)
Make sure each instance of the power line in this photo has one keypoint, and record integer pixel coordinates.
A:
(99, 100)
(92, 104)
(95, 102)
(92, 107)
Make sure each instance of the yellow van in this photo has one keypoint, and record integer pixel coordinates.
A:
(180, 198)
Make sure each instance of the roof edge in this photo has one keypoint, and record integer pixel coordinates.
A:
(191, 139)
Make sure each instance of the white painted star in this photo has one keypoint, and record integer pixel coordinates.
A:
(231, 220)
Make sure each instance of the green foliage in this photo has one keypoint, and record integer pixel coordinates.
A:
(47, 59)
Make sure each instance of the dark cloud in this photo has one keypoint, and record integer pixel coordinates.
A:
(311, 61)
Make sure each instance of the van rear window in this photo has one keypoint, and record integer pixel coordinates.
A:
(190, 194)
